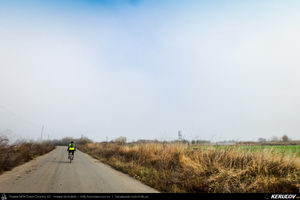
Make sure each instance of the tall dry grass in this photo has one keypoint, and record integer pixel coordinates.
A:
(176, 168)
(16, 154)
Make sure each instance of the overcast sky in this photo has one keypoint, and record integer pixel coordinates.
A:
(215, 70)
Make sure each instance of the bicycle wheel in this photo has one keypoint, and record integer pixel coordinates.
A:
(71, 158)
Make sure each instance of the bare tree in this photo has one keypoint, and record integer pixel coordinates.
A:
(120, 140)
(285, 138)
(3, 141)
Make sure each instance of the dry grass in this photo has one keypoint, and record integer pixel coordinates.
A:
(14, 155)
(176, 168)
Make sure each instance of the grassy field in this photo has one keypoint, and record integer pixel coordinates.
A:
(287, 150)
(205, 169)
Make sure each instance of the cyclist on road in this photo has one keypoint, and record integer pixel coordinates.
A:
(71, 148)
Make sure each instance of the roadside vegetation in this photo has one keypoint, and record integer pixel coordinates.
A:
(12, 155)
(180, 168)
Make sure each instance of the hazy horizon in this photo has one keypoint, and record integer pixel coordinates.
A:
(215, 70)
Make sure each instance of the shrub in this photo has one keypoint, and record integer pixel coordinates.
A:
(16, 154)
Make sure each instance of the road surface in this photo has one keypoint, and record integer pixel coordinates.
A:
(52, 173)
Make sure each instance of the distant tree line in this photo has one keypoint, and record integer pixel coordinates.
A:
(66, 140)
(123, 140)
(284, 138)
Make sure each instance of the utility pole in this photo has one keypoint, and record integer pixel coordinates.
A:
(42, 132)
(179, 135)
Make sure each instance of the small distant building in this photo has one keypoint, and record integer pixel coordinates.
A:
(226, 143)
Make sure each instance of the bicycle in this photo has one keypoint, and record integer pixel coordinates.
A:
(71, 157)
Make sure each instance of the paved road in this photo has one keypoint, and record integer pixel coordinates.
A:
(54, 174)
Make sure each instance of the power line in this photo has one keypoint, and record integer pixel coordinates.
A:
(42, 132)
(27, 122)
(19, 117)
